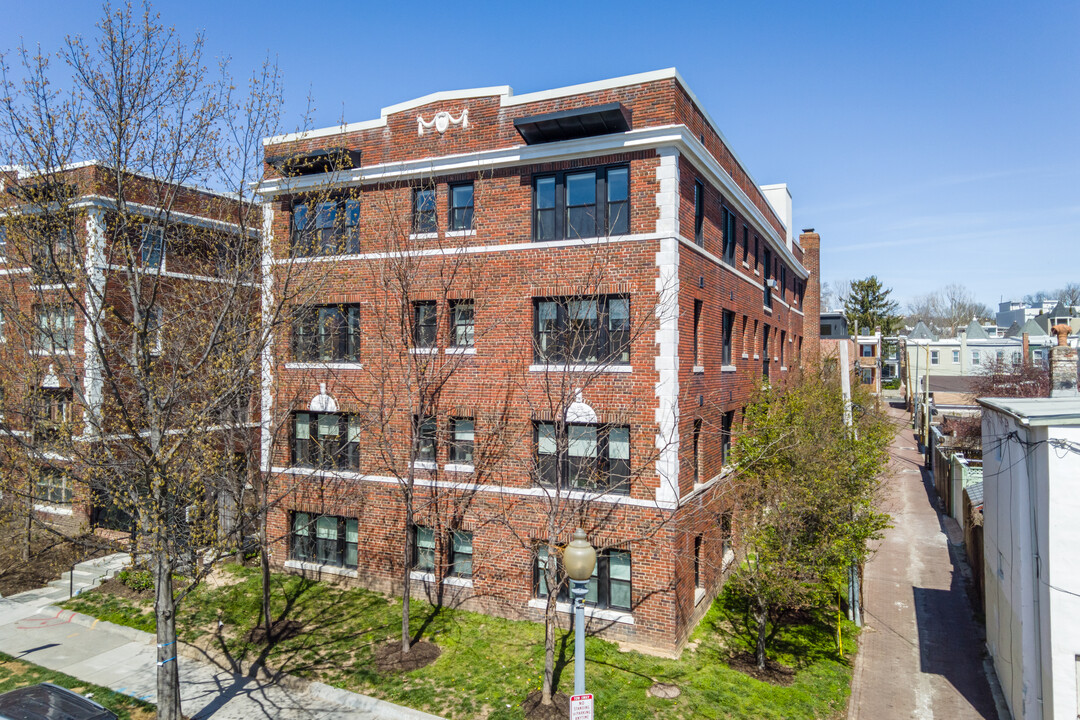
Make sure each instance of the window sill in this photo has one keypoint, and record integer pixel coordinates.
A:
(423, 236)
(756, 356)
(459, 467)
(699, 370)
(321, 569)
(582, 368)
(53, 509)
(460, 233)
(727, 369)
(424, 351)
(48, 353)
(619, 616)
(783, 368)
(699, 595)
(470, 350)
(324, 366)
(425, 465)
(451, 580)
(745, 356)
(767, 309)
(746, 264)
(47, 286)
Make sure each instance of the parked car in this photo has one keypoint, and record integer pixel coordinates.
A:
(46, 701)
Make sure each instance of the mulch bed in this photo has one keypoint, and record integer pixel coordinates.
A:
(774, 672)
(559, 709)
(280, 630)
(112, 586)
(50, 556)
(390, 660)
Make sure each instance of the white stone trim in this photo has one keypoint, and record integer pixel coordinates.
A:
(459, 233)
(459, 467)
(474, 487)
(427, 577)
(728, 368)
(53, 509)
(698, 370)
(555, 367)
(425, 465)
(424, 351)
(321, 569)
(323, 366)
(619, 616)
(266, 389)
(424, 236)
(462, 350)
(666, 362)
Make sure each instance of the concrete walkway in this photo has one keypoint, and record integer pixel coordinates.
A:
(123, 659)
(921, 653)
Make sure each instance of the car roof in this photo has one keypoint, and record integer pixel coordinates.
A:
(46, 701)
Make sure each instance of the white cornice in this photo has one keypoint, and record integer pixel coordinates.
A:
(677, 136)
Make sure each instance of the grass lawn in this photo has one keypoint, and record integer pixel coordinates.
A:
(488, 665)
(15, 674)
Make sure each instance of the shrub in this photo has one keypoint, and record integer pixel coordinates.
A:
(137, 580)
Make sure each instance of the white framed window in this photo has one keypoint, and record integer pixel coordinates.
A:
(152, 247)
(933, 357)
(956, 357)
(975, 357)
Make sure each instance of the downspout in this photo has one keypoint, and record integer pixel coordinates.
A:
(1029, 464)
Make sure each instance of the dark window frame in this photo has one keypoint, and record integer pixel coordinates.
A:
(338, 452)
(728, 320)
(565, 344)
(727, 422)
(328, 228)
(699, 213)
(418, 551)
(308, 547)
(57, 334)
(425, 213)
(425, 432)
(460, 216)
(611, 474)
(600, 585)
(425, 324)
(461, 451)
(460, 310)
(319, 336)
(728, 221)
(698, 345)
(152, 250)
(550, 219)
(459, 558)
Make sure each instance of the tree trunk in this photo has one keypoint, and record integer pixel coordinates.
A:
(761, 617)
(264, 567)
(168, 676)
(549, 628)
(29, 523)
(406, 572)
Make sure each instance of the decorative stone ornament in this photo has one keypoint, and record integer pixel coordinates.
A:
(442, 121)
(322, 402)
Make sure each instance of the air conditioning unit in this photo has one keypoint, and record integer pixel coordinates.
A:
(770, 283)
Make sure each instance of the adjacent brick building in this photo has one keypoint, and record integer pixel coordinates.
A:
(582, 283)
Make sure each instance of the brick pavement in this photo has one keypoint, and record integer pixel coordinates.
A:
(921, 653)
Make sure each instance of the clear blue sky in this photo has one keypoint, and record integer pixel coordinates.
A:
(928, 142)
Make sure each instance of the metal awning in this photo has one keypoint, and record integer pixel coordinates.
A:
(316, 161)
(576, 123)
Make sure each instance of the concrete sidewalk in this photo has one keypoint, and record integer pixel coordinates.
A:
(123, 659)
(921, 652)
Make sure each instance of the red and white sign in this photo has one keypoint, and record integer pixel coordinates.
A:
(581, 707)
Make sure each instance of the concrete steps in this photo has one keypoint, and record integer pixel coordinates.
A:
(84, 576)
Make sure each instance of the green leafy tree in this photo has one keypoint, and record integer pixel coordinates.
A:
(867, 305)
(809, 484)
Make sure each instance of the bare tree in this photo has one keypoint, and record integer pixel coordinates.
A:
(947, 310)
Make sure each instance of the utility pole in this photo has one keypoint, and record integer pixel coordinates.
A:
(926, 408)
(854, 612)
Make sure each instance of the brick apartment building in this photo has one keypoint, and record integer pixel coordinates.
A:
(70, 256)
(582, 283)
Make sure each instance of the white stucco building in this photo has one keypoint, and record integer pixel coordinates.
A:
(1031, 486)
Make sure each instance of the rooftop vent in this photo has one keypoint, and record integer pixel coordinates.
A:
(573, 124)
(316, 161)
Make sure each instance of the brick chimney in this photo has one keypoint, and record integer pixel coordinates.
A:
(1025, 356)
(811, 245)
(1063, 368)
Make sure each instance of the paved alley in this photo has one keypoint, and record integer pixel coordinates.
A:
(921, 652)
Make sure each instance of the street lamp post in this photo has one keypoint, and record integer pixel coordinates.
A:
(579, 559)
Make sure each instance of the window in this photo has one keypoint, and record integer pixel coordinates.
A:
(326, 228)
(757, 253)
(53, 257)
(729, 222)
(425, 434)
(697, 333)
(745, 243)
(866, 350)
(461, 207)
(423, 549)
(699, 213)
(768, 278)
(153, 329)
(152, 247)
(463, 434)
(55, 328)
(867, 376)
(609, 587)
(975, 357)
(327, 333)
(326, 440)
(425, 324)
(3, 240)
(462, 323)
(729, 326)
(1001, 356)
(585, 456)
(581, 204)
(461, 553)
(725, 436)
(933, 357)
(324, 539)
(697, 450)
(583, 330)
(725, 533)
(424, 216)
(53, 487)
(697, 561)
(52, 416)
(956, 356)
